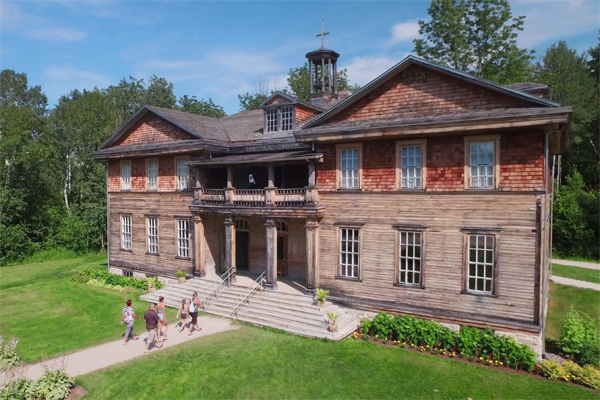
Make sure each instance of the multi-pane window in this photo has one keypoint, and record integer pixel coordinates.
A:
(482, 164)
(410, 164)
(182, 175)
(349, 168)
(481, 263)
(287, 118)
(152, 235)
(126, 232)
(126, 175)
(410, 258)
(152, 175)
(183, 238)
(349, 252)
(272, 120)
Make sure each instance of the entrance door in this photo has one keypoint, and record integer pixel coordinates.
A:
(282, 248)
(242, 236)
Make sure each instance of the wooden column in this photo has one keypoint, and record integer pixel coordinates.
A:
(230, 245)
(312, 254)
(312, 174)
(199, 257)
(270, 189)
(229, 191)
(271, 255)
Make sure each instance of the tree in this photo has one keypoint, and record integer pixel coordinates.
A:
(299, 82)
(200, 107)
(475, 36)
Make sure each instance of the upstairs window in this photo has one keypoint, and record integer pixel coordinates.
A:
(349, 166)
(182, 174)
(481, 162)
(152, 175)
(411, 164)
(279, 119)
(126, 175)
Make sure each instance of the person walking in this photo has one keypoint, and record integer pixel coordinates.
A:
(183, 312)
(194, 307)
(152, 321)
(127, 317)
(163, 324)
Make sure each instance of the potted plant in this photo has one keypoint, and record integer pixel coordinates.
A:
(181, 275)
(152, 281)
(332, 321)
(321, 297)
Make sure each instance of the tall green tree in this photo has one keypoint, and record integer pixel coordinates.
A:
(200, 107)
(475, 36)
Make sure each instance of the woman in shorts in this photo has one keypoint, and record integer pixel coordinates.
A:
(194, 307)
(163, 324)
(183, 312)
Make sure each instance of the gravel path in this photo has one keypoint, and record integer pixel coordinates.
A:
(576, 283)
(580, 264)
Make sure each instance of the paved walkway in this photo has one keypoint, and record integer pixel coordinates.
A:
(105, 355)
(576, 283)
(580, 264)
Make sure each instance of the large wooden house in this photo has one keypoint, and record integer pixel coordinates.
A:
(426, 192)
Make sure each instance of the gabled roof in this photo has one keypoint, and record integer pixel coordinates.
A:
(410, 60)
(292, 100)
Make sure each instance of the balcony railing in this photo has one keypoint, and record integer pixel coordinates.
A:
(273, 197)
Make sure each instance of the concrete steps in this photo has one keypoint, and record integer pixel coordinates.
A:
(296, 314)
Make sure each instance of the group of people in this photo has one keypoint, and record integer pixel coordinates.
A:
(156, 321)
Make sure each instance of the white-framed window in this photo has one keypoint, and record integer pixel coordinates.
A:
(410, 258)
(482, 162)
(182, 173)
(480, 263)
(287, 118)
(152, 175)
(183, 238)
(349, 258)
(349, 167)
(126, 232)
(152, 242)
(272, 122)
(126, 175)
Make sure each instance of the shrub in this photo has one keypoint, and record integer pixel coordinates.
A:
(590, 376)
(365, 326)
(571, 368)
(20, 389)
(577, 328)
(54, 385)
(8, 354)
(111, 281)
(322, 294)
(382, 324)
(551, 369)
(589, 354)
(181, 274)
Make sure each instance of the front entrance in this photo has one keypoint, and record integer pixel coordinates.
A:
(242, 236)
(282, 248)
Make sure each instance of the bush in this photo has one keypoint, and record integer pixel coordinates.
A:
(102, 278)
(8, 354)
(54, 385)
(590, 376)
(381, 325)
(551, 369)
(365, 326)
(20, 389)
(577, 328)
(589, 354)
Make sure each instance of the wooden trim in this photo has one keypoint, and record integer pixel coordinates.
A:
(121, 163)
(408, 227)
(149, 160)
(349, 224)
(415, 142)
(538, 261)
(338, 155)
(467, 140)
(481, 230)
(187, 159)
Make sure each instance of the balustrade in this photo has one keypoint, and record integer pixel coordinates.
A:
(258, 197)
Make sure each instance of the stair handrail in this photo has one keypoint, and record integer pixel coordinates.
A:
(257, 284)
(224, 280)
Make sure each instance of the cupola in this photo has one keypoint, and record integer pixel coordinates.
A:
(322, 72)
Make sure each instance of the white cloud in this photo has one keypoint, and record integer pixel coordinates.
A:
(363, 70)
(405, 31)
(32, 26)
(69, 78)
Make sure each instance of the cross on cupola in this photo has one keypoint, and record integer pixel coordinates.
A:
(322, 72)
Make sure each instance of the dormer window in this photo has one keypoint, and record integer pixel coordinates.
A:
(279, 119)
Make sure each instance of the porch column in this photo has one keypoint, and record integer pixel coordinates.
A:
(199, 257)
(230, 245)
(229, 189)
(271, 254)
(312, 254)
(312, 175)
(270, 189)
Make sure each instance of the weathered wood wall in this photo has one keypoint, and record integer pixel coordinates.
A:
(445, 215)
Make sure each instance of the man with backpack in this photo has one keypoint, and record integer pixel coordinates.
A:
(127, 317)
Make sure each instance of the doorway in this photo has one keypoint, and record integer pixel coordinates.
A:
(282, 248)
(242, 237)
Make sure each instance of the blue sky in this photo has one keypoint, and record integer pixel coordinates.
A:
(217, 49)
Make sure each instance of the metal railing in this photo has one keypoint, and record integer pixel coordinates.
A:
(254, 286)
(219, 286)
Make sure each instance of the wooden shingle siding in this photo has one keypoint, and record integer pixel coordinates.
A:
(303, 114)
(444, 215)
(438, 94)
(167, 207)
(152, 128)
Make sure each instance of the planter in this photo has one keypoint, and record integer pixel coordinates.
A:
(320, 303)
(151, 289)
(332, 328)
(181, 279)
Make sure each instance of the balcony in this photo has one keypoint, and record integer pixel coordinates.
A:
(273, 197)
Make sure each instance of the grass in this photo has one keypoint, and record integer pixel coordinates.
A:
(576, 258)
(50, 315)
(562, 298)
(253, 363)
(581, 274)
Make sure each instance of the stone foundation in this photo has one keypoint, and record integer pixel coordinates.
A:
(530, 339)
(140, 275)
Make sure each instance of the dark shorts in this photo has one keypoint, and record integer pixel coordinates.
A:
(183, 316)
(194, 316)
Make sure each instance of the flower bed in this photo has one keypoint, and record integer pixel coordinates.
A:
(101, 278)
(473, 345)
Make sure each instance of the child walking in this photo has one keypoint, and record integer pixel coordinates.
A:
(183, 311)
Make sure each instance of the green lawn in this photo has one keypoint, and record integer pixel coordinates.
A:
(560, 301)
(254, 363)
(50, 315)
(581, 274)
